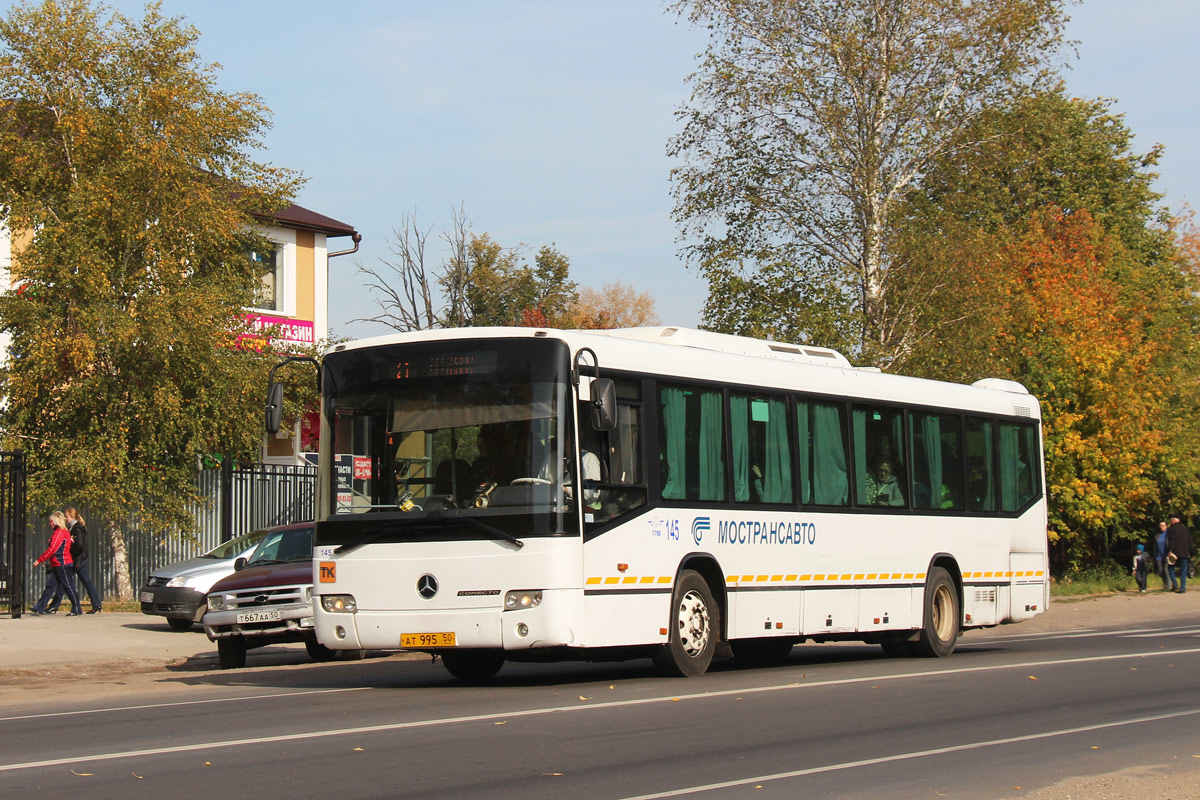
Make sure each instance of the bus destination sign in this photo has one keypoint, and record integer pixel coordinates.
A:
(446, 365)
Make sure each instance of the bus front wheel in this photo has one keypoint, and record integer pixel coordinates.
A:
(694, 627)
(940, 628)
(473, 666)
(231, 652)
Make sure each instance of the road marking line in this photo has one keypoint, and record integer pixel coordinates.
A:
(938, 751)
(535, 712)
(244, 698)
(1182, 632)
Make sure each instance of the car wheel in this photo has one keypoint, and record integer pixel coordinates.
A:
(179, 624)
(231, 652)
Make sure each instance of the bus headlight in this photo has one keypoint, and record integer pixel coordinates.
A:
(216, 602)
(529, 598)
(339, 603)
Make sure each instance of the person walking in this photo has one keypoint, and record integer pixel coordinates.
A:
(1179, 545)
(79, 557)
(58, 553)
(1141, 566)
(1160, 555)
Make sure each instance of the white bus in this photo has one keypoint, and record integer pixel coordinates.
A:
(504, 494)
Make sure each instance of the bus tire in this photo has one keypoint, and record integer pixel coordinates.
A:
(940, 627)
(473, 666)
(231, 652)
(318, 651)
(897, 646)
(693, 629)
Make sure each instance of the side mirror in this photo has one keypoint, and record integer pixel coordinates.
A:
(240, 564)
(274, 407)
(604, 404)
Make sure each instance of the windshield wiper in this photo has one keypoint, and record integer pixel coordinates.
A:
(492, 530)
(374, 534)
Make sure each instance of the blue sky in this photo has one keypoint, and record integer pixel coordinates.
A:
(547, 120)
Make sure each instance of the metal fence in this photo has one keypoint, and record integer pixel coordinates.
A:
(235, 501)
(14, 564)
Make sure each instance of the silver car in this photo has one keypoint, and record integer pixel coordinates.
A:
(179, 591)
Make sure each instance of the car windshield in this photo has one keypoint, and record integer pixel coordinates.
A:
(236, 546)
(283, 546)
(464, 439)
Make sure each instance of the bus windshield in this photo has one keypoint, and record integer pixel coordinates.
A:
(436, 440)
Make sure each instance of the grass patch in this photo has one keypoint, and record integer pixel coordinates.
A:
(1096, 581)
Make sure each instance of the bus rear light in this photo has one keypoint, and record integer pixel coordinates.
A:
(622, 567)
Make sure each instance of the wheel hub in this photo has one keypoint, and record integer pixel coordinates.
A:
(694, 626)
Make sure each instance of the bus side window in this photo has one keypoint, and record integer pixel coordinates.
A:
(692, 443)
(981, 460)
(618, 457)
(936, 460)
(880, 478)
(762, 456)
(1018, 453)
(824, 478)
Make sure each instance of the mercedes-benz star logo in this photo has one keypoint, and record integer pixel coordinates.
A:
(427, 586)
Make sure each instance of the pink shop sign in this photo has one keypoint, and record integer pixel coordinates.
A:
(286, 331)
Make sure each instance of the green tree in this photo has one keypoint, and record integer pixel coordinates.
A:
(810, 120)
(126, 179)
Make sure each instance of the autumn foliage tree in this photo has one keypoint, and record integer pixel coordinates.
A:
(1085, 354)
(126, 182)
(614, 305)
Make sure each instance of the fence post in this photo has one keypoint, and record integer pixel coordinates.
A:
(226, 499)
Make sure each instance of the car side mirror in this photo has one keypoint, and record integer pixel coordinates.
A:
(240, 564)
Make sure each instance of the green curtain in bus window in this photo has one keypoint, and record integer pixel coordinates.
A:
(739, 428)
(777, 466)
(859, 438)
(927, 461)
(822, 465)
(804, 465)
(1016, 466)
(831, 485)
(673, 406)
(712, 446)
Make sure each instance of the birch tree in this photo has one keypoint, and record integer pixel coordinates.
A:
(810, 120)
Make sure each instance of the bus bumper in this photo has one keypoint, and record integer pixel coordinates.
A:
(518, 629)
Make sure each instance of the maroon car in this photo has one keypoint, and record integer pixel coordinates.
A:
(267, 600)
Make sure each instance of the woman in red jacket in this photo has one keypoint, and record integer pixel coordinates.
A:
(59, 556)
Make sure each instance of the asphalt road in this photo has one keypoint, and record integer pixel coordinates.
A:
(1008, 713)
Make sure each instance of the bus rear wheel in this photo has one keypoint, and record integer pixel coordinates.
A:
(940, 628)
(694, 628)
(473, 666)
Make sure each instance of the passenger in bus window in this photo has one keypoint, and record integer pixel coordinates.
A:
(882, 487)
